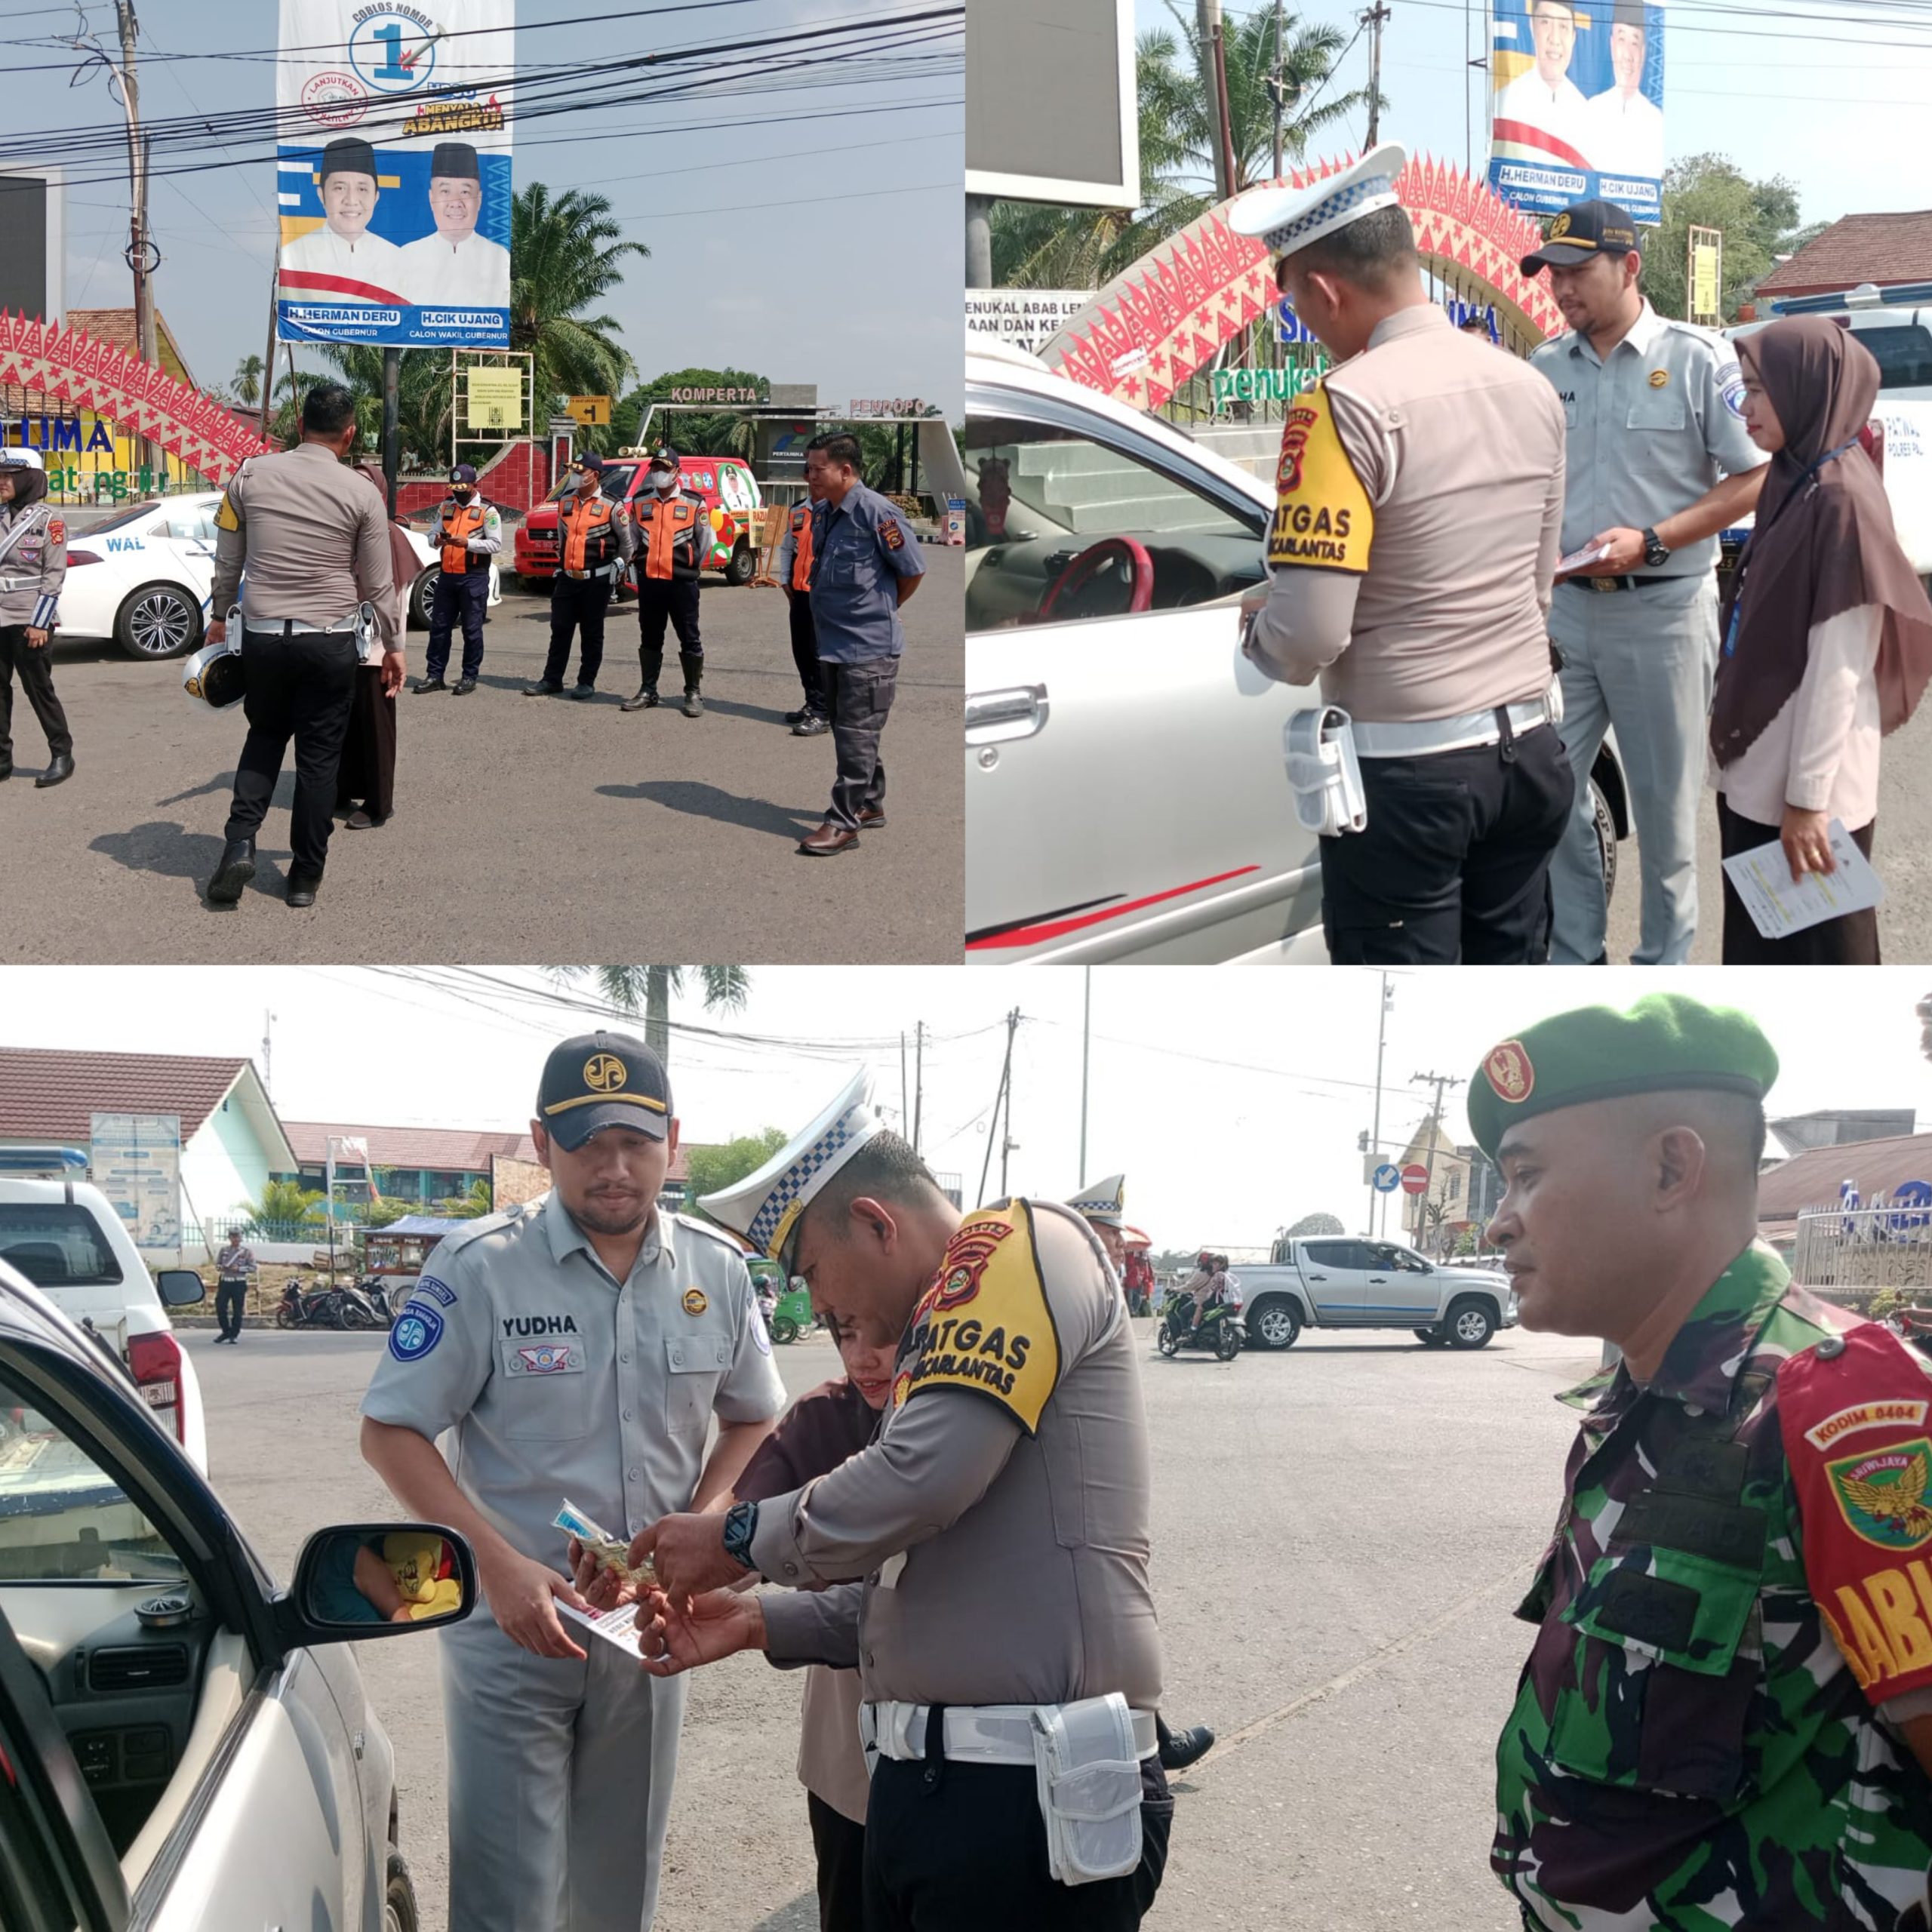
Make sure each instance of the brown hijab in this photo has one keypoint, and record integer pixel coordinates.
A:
(403, 562)
(1823, 542)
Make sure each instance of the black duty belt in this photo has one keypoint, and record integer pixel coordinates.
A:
(1622, 582)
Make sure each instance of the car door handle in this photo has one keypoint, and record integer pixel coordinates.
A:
(1378, 1281)
(1317, 1278)
(994, 718)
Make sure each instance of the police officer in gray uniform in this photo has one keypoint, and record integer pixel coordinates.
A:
(33, 567)
(987, 1556)
(312, 537)
(1656, 463)
(865, 564)
(573, 1349)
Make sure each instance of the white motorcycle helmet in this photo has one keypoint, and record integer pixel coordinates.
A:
(213, 676)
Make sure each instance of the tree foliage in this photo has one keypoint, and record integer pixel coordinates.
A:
(286, 1201)
(725, 433)
(711, 1168)
(647, 990)
(1317, 1224)
(1759, 220)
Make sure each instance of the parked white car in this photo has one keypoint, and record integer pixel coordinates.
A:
(143, 577)
(1126, 792)
(60, 1231)
(188, 1747)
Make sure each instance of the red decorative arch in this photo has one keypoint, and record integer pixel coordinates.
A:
(141, 399)
(1155, 324)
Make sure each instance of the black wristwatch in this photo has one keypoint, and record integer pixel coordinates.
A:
(1655, 553)
(740, 1526)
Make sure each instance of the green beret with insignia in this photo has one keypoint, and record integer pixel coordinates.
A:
(1665, 1043)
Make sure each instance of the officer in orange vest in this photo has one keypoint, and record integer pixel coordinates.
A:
(597, 544)
(467, 533)
(795, 572)
(673, 537)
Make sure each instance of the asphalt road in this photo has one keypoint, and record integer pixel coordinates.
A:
(1341, 1533)
(1901, 853)
(573, 828)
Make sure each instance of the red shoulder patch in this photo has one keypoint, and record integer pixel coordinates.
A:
(56, 530)
(895, 537)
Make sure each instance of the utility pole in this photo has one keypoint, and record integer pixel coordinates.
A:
(905, 1102)
(1442, 1081)
(1086, 1037)
(1003, 1124)
(918, 1079)
(1215, 72)
(142, 257)
(1375, 1137)
(268, 358)
(1372, 19)
(1277, 89)
(268, 1052)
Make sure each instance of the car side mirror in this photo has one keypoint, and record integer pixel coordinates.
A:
(181, 1287)
(355, 1581)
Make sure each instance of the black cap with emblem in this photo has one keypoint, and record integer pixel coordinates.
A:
(1583, 231)
(599, 1080)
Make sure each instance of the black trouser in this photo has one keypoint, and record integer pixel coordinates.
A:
(953, 1847)
(1454, 864)
(658, 599)
(367, 774)
(466, 597)
(1852, 940)
(858, 698)
(300, 688)
(36, 676)
(231, 1304)
(805, 652)
(841, 1847)
(576, 603)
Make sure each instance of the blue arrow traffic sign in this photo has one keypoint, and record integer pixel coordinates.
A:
(1388, 1178)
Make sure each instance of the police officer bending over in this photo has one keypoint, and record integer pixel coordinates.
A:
(467, 534)
(1412, 553)
(1726, 1715)
(314, 541)
(673, 534)
(576, 1349)
(599, 541)
(992, 1596)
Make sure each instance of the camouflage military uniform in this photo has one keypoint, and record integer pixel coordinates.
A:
(1689, 1748)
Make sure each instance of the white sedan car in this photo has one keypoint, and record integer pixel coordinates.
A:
(1126, 792)
(143, 577)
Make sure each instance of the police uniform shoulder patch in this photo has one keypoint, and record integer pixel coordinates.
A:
(56, 530)
(1853, 1420)
(985, 1323)
(1323, 517)
(226, 516)
(891, 533)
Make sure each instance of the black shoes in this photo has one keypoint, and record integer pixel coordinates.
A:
(1180, 1749)
(464, 687)
(692, 664)
(797, 717)
(646, 699)
(582, 692)
(423, 685)
(234, 872)
(811, 725)
(6, 771)
(543, 688)
(58, 773)
(303, 887)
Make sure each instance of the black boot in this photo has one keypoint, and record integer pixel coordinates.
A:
(6, 768)
(650, 663)
(1180, 1749)
(236, 869)
(693, 666)
(425, 684)
(58, 773)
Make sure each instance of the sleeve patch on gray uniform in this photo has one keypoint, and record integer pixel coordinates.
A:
(417, 1331)
(435, 1290)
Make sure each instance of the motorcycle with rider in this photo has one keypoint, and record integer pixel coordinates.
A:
(1203, 1312)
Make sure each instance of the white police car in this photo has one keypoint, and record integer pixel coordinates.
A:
(143, 576)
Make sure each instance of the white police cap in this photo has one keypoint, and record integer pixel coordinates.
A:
(1290, 218)
(13, 458)
(1105, 1200)
(765, 1207)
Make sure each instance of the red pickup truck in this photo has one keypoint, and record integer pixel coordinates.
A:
(730, 495)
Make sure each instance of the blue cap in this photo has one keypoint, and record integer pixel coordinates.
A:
(590, 459)
(464, 473)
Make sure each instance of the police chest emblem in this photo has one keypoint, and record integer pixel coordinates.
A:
(1882, 1494)
(696, 1301)
(1509, 1073)
(1659, 379)
(417, 1331)
(604, 1073)
(548, 1360)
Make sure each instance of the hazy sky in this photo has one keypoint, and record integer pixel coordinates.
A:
(1828, 93)
(1232, 1100)
(804, 249)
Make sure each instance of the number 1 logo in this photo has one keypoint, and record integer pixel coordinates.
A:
(392, 54)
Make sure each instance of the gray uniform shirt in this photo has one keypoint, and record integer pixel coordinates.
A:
(34, 567)
(313, 538)
(556, 1380)
(1648, 432)
(1001, 1564)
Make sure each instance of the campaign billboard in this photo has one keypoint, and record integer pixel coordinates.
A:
(1579, 90)
(393, 173)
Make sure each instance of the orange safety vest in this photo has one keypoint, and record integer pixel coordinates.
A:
(588, 543)
(802, 547)
(663, 523)
(457, 533)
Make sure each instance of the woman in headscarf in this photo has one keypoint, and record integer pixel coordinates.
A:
(365, 786)
(1828, 637)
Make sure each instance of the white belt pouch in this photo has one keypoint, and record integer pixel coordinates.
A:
(1089, 1778)
(1324, 772)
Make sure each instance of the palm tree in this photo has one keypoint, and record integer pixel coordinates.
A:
(246, 387)
(648, 989)
(564, 255)
(284, 1200)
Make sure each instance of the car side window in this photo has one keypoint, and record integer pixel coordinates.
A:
(55, 1245)
(1334, 1254)
(1063, 526)
(190, 526)
(63, 1518)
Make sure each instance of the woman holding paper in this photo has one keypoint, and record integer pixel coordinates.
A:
(1827, 639)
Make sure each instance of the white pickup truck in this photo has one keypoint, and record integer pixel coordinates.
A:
(1345, 1281)
(1900, 338)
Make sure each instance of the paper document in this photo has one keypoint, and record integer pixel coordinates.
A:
(1779, 906)
(617, 1626)
(1581, 560)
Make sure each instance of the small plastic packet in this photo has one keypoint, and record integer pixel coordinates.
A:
(613, 1555)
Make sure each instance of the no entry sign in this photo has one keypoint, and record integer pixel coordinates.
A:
(1415, 1178)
